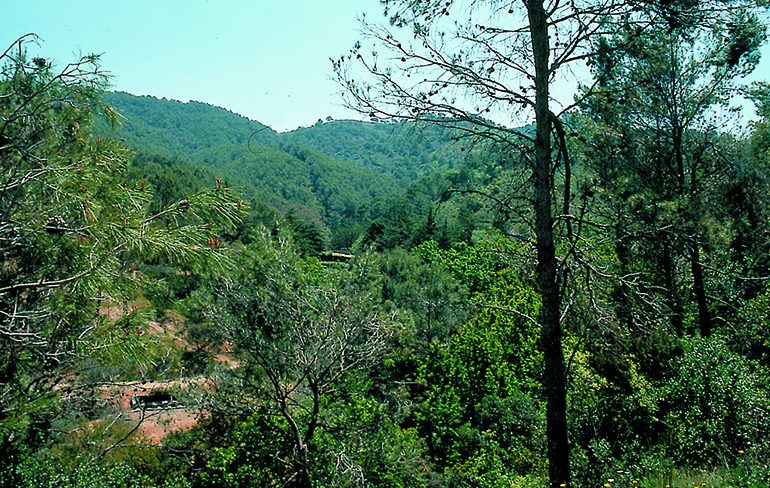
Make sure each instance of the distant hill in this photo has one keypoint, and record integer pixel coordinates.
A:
(169, 126)
(402, 150)
(327, 173)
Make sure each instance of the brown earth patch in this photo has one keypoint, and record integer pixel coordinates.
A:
(157, 425)
(158, 422)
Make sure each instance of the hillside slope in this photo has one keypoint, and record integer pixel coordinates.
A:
(327, 173)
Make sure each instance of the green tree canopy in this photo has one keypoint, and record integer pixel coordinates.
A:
(72, 227)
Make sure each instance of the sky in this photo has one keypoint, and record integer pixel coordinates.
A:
(265, 59)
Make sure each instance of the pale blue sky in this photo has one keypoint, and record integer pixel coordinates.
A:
(266, 59)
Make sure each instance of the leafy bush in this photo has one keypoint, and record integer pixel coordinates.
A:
(715, 405)
(39, 472)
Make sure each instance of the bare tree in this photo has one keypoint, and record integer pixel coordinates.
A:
(301, 332)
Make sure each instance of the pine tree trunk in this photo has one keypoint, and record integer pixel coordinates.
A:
(554, 380)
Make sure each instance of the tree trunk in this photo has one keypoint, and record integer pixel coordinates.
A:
(667, 263)
(704, 316)
(623, 306)
(302, 478)
(301, 472)
(554, 380)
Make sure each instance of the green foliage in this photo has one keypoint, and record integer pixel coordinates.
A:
(480, 392)
(405, 150)
(308, 236)
(72, 229)
(672, 182)
(42, 473)
(171, 127)
(715, 405)
(249, 456)
(481, 411)
(172, 180)
(301, 329)
(431, 304)
(417, 362)
(376, 449)
(326, 173)
(475, 266)
(752, 339)
(49, 164)
(491, 467)
(70, 466)
(359, 442)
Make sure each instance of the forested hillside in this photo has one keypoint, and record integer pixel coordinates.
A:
(402, 150)
(328, 174)
(584, 303)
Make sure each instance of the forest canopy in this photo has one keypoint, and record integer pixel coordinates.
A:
(189, 298)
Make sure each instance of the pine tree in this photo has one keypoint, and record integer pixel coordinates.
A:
(72, 226)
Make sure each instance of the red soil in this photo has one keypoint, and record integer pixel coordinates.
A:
(157, 424)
